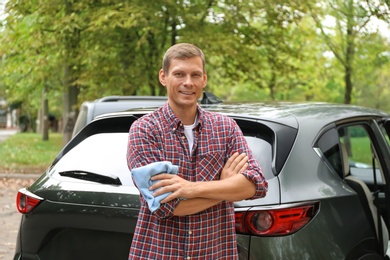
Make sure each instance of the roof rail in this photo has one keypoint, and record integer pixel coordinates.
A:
(208, 98)
(127, 98)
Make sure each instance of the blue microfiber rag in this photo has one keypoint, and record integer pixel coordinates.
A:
(142, 175)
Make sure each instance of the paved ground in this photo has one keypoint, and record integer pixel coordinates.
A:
(5, 133)
(9, 216)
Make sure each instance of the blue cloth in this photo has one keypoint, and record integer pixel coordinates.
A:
(142, 175)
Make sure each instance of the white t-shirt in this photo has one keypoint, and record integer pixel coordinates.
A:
(190, 134)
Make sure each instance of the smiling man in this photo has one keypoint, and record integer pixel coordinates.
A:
(195, 219)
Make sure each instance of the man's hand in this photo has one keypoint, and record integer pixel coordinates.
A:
(237, 163)
(179, 187)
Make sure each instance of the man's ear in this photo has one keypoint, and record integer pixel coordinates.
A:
(205, 79)
(161, 77)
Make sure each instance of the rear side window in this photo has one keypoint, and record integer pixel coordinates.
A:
(262, 151)
(329, 147)
(270, 143)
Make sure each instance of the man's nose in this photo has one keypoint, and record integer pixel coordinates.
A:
(188, 81)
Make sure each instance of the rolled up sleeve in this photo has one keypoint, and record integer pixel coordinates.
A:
(254, 172)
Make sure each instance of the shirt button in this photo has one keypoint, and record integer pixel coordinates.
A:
(190, 232)
(183, 137)
(188, 257)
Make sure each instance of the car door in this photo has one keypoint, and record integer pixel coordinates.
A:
(367, 147)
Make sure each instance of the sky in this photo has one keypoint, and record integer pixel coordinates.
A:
(373, 25)
(2, 3)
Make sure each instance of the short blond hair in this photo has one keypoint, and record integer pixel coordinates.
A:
(182, 51)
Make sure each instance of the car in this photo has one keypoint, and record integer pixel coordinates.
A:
(327, 168)
(91, 109)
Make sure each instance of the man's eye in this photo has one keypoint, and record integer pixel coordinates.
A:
(197, 75)
(179, 74)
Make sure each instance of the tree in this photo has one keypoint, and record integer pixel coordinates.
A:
(85, 49)
(27, 54)
(351, 19)
(373, 73)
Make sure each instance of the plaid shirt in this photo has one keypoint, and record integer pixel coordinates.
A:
(210, 234)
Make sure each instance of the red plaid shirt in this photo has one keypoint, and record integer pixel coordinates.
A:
(210, 234)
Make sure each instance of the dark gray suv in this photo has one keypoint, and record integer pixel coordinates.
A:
(327, 166)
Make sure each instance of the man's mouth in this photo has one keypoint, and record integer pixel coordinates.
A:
(187, 92)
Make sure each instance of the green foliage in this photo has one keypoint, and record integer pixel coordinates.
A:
(269, 50)
(27, 153)
(372, 72)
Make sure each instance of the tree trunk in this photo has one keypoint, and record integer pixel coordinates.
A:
(69, 113)
(71, 89)
(45, 114)
(272, 85)
(348, 85)
(349, 53)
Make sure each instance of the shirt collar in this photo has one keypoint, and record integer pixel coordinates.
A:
(175, 122)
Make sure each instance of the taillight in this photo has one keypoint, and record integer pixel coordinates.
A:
(26, 201)
(274, 222)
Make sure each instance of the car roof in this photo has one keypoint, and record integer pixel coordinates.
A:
(119, 103)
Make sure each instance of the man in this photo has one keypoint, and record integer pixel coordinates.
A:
(216, 168)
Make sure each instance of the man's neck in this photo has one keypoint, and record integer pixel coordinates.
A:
(187, 115)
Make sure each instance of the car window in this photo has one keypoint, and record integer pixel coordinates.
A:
(361, 156)
(81, 120)
(384, 132)
(103, 154)
(357, 142)
(262, 151)
(328, 144)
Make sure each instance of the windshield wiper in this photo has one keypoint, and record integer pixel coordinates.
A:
(90, 176)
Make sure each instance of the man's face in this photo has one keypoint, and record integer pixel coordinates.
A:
(184, 82)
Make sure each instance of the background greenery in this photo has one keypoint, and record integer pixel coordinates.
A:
(28, 153)
(69, 51)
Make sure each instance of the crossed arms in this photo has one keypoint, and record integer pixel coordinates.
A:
(240, 177)
(232, 186)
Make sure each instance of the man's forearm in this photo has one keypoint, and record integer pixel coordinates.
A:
(192, 206)
(235, 188)
(210, 193)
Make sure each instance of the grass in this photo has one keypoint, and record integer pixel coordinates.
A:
(361, 149)
(28, 153)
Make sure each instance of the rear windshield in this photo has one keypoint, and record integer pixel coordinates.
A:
(105, 154)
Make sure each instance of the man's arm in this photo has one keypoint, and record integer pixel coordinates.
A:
(192, 206)
(216, 191)
(202, 195)
(234, 188)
